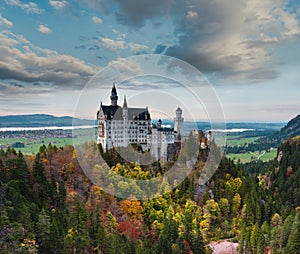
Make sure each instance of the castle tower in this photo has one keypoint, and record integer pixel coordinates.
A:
(126, 124)
(114, 96)
(178, 124)
(125, 109)
(209, 138)
(159, 123)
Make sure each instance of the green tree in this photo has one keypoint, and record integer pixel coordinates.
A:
(168, 236)
(254, 237)
(293, 245)
(77, 238)
(39, 182)
(43, 230)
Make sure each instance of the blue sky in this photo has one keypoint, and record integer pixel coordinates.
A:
(249, 50)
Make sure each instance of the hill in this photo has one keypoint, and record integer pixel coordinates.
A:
(292, 129)
(40, 120)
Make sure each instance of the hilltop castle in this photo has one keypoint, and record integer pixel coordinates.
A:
(120, 126)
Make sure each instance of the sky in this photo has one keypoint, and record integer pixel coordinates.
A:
(249, 51)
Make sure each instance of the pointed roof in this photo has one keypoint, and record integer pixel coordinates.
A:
(125, 103)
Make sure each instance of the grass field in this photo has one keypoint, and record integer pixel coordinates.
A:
(32, 145)
(247, 157)
(82, 135)
(237, 140)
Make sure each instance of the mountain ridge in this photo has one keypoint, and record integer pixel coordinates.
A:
(41, 120)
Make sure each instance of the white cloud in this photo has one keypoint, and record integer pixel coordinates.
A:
(113, 45)
(5, 21)
(137, 48)
(29, 7)
(22, 61)
(44, 29)
(126, 66)
(119, 34)
(96, 20)
(58, 5)
(233, 37)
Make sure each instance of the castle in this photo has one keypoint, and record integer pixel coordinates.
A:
(121, 126)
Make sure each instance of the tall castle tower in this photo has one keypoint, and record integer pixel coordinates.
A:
(126, 123)
(114, 96)
(178, 124)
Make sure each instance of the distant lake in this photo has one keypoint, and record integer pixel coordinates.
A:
(47, 128)
(187, 127)
(232, 130)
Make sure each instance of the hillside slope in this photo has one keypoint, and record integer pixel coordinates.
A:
(292, 129)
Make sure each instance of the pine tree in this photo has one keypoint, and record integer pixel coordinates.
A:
(39, 182)
(43, 230)
(293, 245)
(168, 236)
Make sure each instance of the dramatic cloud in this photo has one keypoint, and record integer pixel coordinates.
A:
(58, 5)
(5, 21)
(15, 89)
(133, 13)
(29, 7)
(138, 48)
(44, 29)
(113, 45)
(136, 13)
(223, 37)
(96, 20)
(24, 62)
(234, 37)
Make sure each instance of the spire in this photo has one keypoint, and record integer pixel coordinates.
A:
(125, 102)
(114, 96)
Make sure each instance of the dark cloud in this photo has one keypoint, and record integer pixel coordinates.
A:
(94, 47)
(136, 13)
(160, 49)
(80, 47)
(15, 89)
(15, 84)
(223, 37)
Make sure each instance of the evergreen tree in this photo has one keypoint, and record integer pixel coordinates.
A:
(293, 245)
(39, 182)
(43, 230)
(168, 236)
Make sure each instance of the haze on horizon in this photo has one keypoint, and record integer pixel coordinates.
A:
(249, 51)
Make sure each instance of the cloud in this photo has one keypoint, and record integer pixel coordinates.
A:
(137, 48)
(233, 37)
(58, 5)
(16, 89)
(126, 66)
(29, 7)
(160, 49)
(236, 37)
(148, 82)
(96, 20)
(44, 29)
(5, 21)
(113, 45)
(24, 62)
(119, 34)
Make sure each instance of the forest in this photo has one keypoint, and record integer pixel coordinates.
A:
(48, 205)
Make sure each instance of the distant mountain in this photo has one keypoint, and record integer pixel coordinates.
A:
(41, 120)
(291, 129)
